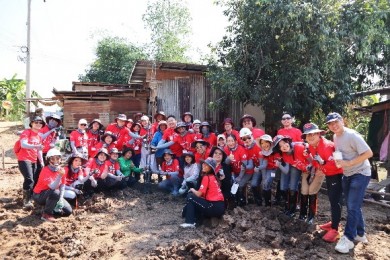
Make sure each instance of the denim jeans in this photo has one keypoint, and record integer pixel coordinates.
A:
(354, 187)
(172, 184)
(267, 179)
(49, 199)
(290, 180)
(256, 179)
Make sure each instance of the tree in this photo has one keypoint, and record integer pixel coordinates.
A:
(114, 62)
(305, 57)
(13, 90)
(168, 21)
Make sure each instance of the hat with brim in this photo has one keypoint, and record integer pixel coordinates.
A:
(108, 133)
(96, 121)
(205, 124)
(160, 113)
(191, 154)
(102, 150)
(135, 124)
(224, 155)
(54, 117)
(122, 117)
(311, 128)
(210, 162)
(246, 116)
(200, 141)
(74, 156)
(279, 138)
(180, 124)
(187, 114)
(168, 151)
(228, 121)
(127, 149)
(221, 136)
(37, 118)
(333, 116)
(162, 122)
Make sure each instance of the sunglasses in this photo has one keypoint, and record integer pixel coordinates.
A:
(245, 138)
(38, 122)
(83, 124)
(286, 118)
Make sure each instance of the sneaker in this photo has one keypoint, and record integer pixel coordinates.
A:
(363, 239)
(331, 236)
(326, 226)
(48, 217)
(344, 245)
(187, 225)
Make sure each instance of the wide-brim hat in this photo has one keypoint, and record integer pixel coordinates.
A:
(160, 113)
(108, 133)
(228, 121)
(249, 117)
(224, 155)
(187, 114)
(102, 150)
(77, 155)
(181, 124)
(279, 138)
(122, 117)
(128, 149)
(267, 138)
(210, 162)
(54, 117)
(200, 141)
(311, 128)
(138, 124)
(37, 118)
(162, 122)
(168, 151)
(96, 121)
(205, 124)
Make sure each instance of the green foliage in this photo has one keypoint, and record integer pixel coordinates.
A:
(13, 90)
(115, 60)
(305, 57)
(168, 21)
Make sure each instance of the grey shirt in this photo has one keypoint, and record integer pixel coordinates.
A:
(351, 144)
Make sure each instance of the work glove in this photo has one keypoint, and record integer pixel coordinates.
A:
(318, 158)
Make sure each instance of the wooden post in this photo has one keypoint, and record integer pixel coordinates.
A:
(3, 157)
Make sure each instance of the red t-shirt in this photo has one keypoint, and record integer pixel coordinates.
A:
(297, 159)
(93, 166)
(173, 167)
(185, 141)
(237, 135)
(93, 140)
(212, 139)
(271, 160)
(293, 132)
(136, 145)
(121, 134)
(112, 166)
(169, 135)
(79, 139)
(48, 140)
(46, 177)
(325, 149)
(210, 188)
(254, 154)
(199, 157)
(70, 179)
(29, 154)
(239, 156)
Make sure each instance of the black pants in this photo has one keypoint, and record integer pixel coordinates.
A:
(197, 208)
(335, 195)
(49, 199)
(29, 172)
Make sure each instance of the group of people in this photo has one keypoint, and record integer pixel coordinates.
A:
(214, 172)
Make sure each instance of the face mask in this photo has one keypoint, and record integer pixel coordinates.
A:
(205, 130)
(53, 123)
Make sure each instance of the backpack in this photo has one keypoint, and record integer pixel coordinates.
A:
(18, 146)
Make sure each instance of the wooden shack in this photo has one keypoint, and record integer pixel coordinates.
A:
(177, 88)
(100, 100)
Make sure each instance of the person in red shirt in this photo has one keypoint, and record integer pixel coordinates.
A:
(207, 201)
(50, 188)
(74, 176)
(49, 132)
(249, 121)
(322, 150)
(170, 168)
(94, 131)
(228, 126)
(168, 137)
(196, 129)
(288, 129)
(120, 130)
(159, 116)
(29, 155)
(202, 150)
(114, 178)
(221, 139)
(294, 162)
(108, 141)
(97, 170)
(129, 123)
(134, 141)
(208, 134)
(79, 138)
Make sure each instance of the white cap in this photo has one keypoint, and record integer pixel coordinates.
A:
(245, 131)
(196, 121)
(53, 152)
(146, 118)
(221, 136)
(83, 121)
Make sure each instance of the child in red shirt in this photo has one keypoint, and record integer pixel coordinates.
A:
(170, 168)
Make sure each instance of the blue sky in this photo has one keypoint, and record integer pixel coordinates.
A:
(65, 32)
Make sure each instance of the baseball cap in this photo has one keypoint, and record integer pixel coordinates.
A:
(333, 116)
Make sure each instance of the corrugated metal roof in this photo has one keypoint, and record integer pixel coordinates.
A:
(138, 74)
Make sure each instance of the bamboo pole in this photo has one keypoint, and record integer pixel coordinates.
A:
(3, 157)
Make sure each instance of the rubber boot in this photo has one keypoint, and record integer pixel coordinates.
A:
(303, 209)
(240, 198)
(286, 198)
(257, 196)
(292, 203)
(278, 195)
(312, 208)
(267, 198)
(27, 200)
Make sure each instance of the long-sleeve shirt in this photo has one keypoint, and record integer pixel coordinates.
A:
(127, 166)
(325, 149)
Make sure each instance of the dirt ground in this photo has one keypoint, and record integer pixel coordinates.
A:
(131, 224)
